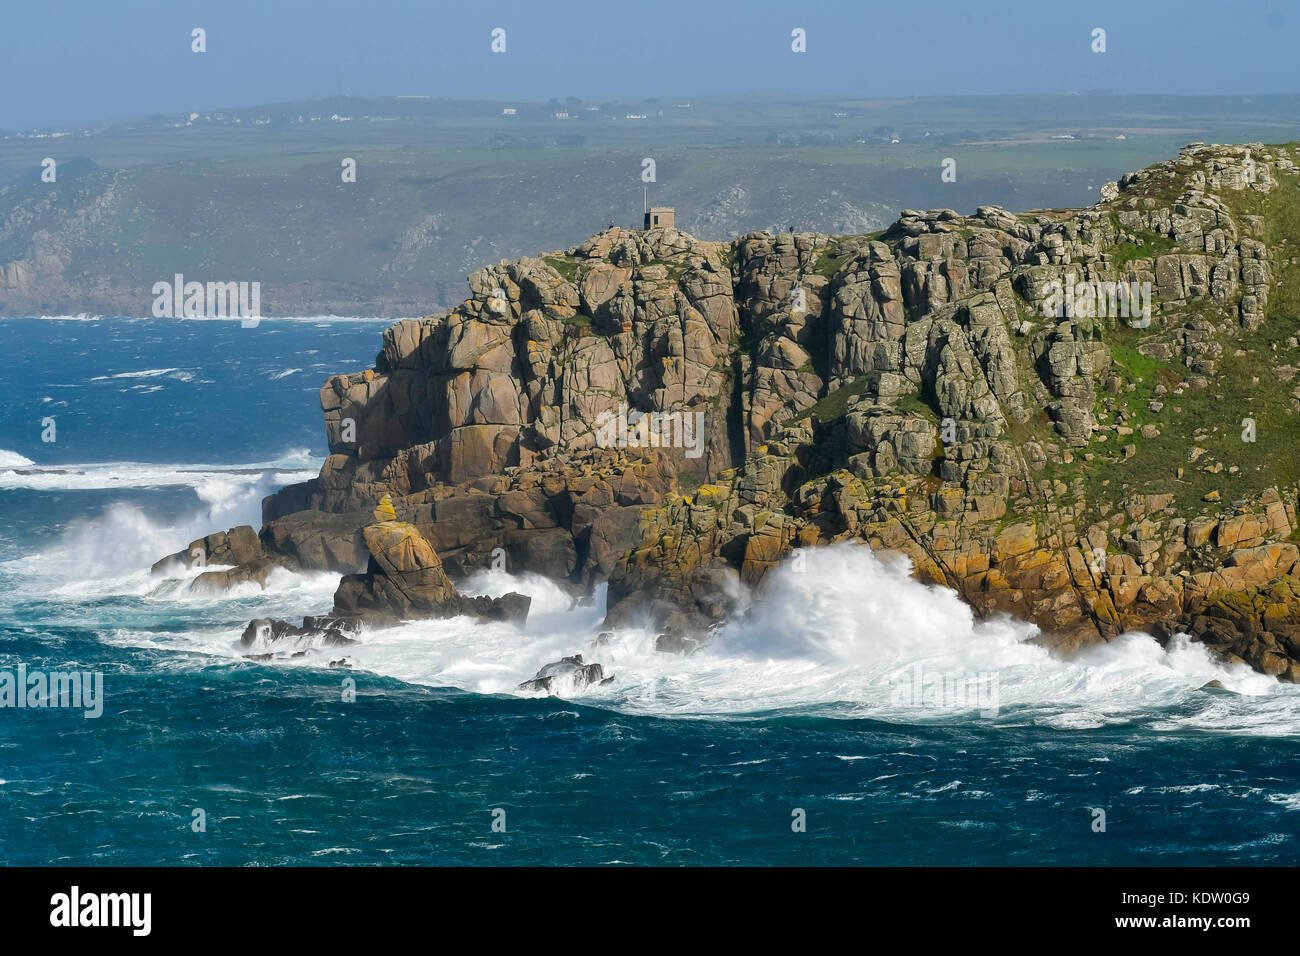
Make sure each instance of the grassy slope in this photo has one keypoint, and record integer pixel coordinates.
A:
(1243, 386)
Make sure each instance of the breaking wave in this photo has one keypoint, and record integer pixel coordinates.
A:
(11, 459)
(126, 536)
(851, 635)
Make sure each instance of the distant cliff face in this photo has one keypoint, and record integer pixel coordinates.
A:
(1081, 417)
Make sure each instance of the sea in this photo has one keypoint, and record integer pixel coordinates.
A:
(851, 716)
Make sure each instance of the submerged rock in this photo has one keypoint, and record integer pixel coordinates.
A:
(569, 675)
(326, 631)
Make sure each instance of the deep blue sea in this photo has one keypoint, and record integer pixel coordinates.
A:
(853, 717)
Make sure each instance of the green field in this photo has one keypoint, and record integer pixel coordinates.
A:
(445, 187)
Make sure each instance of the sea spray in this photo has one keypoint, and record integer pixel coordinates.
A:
(125, 535)
(838, 638)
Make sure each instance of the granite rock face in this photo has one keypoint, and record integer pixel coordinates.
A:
(403, 581)
(1044, 411)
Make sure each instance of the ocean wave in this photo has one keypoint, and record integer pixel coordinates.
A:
(855, 636)
(126, 536)
(849, 633)
(11, 459)
(852, 636)
(19, 472)
(143, 373)
(79, 317)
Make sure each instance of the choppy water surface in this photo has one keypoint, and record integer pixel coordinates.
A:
(905, 731)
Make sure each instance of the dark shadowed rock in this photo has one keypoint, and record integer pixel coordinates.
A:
(327, 631)
(318, 540)
(403, 581)
(569, 675)
(290, 499)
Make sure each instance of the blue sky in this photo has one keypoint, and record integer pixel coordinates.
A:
(64, 61)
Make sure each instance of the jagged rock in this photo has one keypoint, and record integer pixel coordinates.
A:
(568, 675)
(218, 582)
(317, 540)
(405, 580)
(328, 631)
(237, 546)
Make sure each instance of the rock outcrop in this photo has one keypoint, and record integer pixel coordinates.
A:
(565, 677)
(1084, 418)
(403, 581)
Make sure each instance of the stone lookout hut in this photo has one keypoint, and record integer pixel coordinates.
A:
(659, 217)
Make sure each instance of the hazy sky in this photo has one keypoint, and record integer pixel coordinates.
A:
(63, 61)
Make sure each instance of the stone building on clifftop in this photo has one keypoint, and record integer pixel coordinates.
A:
(659, 217)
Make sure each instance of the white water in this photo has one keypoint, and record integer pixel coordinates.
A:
(126, 536)
(19, 472)
(182, 374)
(851, 635)
(11, 459)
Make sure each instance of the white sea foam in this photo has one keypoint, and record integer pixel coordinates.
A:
(11, 459)
(298, 465)
(125, 537)
(843, 637)
(839, 639)
(142, 373)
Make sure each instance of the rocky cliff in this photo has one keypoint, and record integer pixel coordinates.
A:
(1084, 418)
